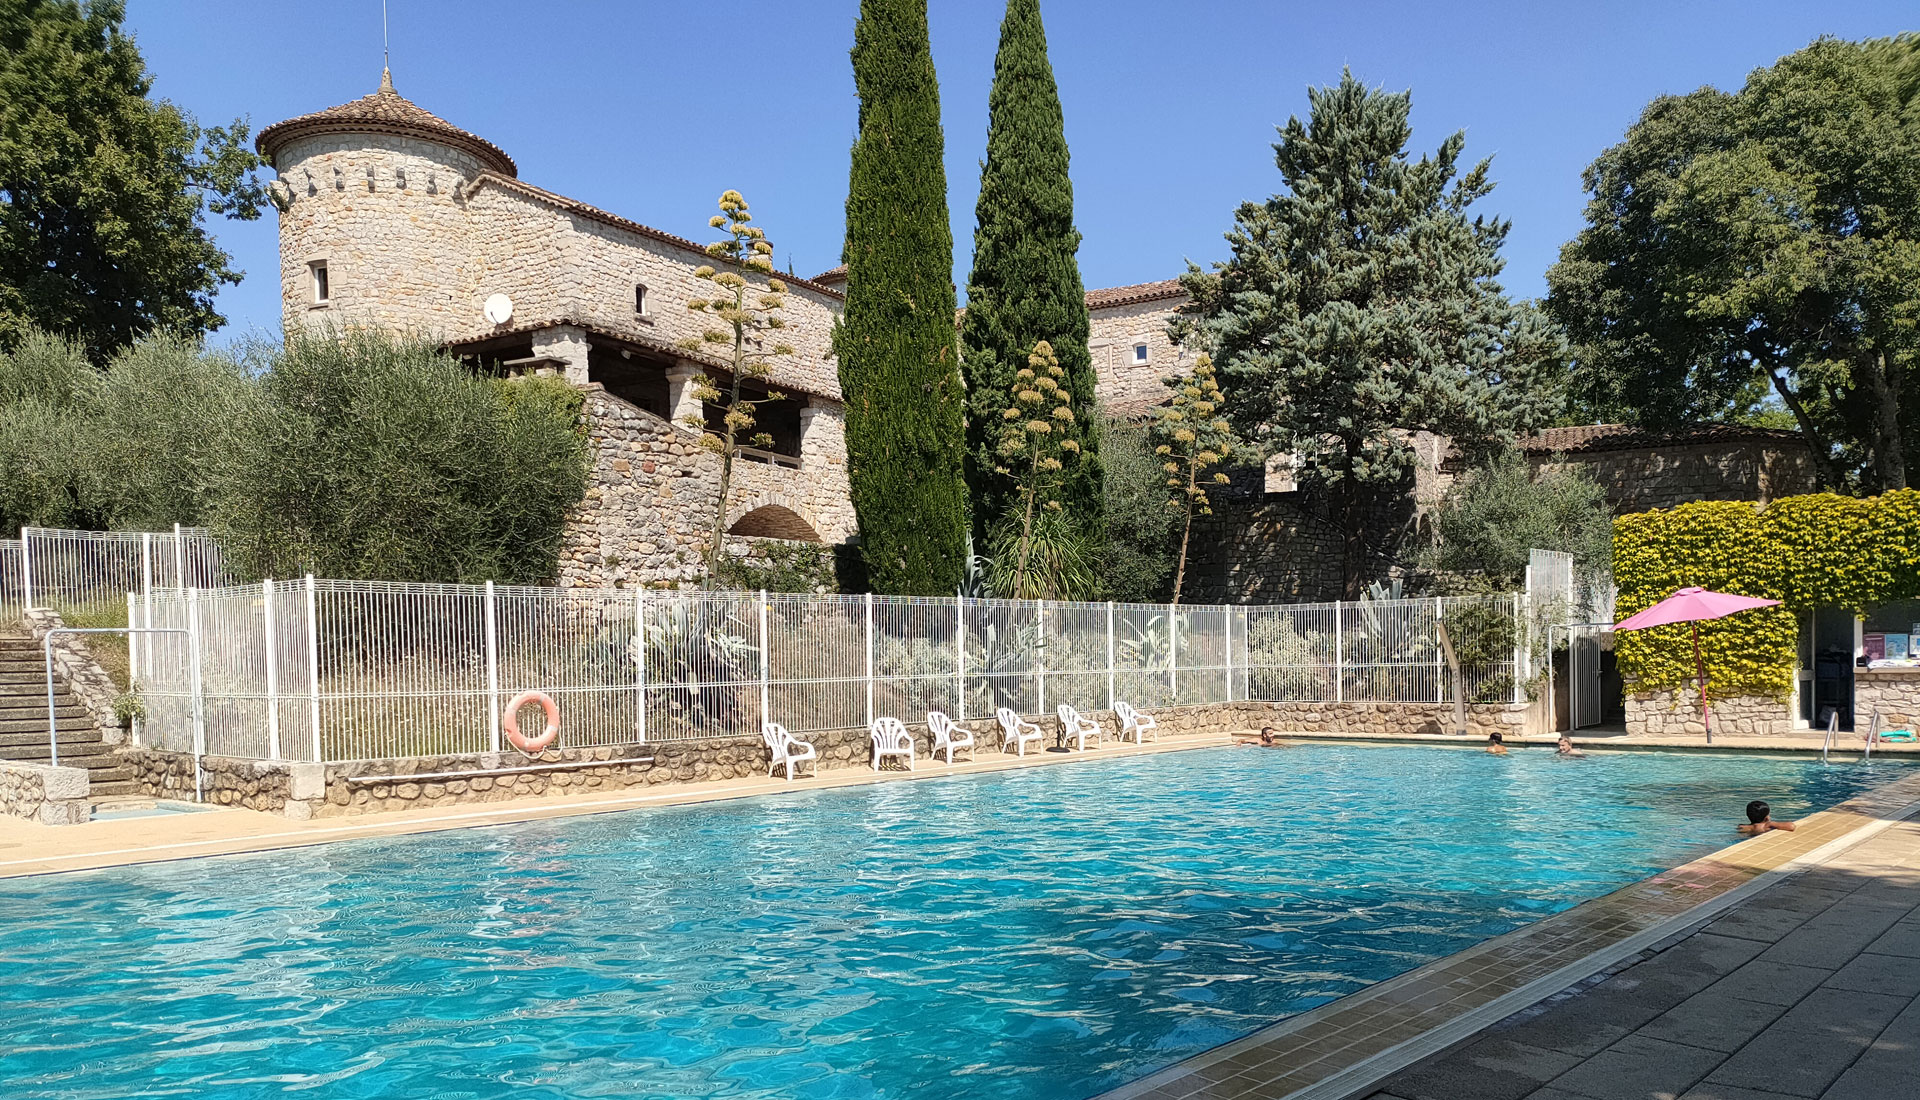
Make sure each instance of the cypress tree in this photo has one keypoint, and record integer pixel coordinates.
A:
(1025, 287)
(899, 362)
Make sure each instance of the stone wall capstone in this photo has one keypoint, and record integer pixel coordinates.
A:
(48, 795)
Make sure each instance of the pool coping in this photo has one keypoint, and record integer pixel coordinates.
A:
(223, 830)
(1343, 1048)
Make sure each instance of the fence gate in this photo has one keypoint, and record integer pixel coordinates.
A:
(1583, 677)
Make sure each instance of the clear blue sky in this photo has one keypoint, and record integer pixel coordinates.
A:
(644, 108)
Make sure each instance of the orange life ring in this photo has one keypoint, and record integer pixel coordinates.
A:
(510, 722)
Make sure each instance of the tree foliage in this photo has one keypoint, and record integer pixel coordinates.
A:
(1192, 436)
(386, 459)
(1362, 305)
(899, 362)
(1138, 554)
(350, 455)
(1498, 512)
(103, 191)
(1025, 286)
(746, 316)
(1757, 253)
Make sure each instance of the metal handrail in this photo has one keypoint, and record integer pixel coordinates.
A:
(1873, 735)
(1833, 727)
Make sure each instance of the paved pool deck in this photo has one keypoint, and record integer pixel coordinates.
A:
(1645, 966)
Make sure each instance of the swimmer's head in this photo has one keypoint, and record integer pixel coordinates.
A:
(1757, 811)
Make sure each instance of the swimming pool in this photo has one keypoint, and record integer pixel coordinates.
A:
(1049, 932)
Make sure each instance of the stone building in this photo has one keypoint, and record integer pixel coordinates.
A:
(393, 217)
(1641, 469)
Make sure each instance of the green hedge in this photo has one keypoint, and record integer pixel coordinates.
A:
(1805, 551)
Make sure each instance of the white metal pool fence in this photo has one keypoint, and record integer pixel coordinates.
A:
(86, 575)
(348, 670)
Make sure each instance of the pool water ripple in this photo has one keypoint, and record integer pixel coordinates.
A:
(1042, 933)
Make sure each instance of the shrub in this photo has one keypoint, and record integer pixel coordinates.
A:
(1499, 511)
(780, 566)
(378, 458)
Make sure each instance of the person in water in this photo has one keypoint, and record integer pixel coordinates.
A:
(1760, 820)
(1267, 740)
(1567, 750)
(1496, 744)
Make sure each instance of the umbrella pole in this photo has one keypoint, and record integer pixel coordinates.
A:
(1700, 666)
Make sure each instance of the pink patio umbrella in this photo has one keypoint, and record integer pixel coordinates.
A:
(1691, 605)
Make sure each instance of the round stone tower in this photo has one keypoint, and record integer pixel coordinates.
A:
(373, 221)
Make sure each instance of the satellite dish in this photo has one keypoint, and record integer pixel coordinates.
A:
(499, 309)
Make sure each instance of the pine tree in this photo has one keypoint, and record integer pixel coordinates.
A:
(1362, 305)
(1025, 286)
(899, 363)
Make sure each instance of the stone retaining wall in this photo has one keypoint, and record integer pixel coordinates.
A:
(74, 662)
(355, 787)
(49, 795)
(1677, 714)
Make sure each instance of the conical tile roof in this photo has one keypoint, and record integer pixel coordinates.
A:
(385, 112)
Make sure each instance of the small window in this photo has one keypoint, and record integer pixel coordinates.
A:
(640, 299)
(1139, 355)
(322, 292)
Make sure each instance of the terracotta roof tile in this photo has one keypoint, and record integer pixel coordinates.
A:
(832, 275)
(385, 112)
(1588, 438)
(1114, 296)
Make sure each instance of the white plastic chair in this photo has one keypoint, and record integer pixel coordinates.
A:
(1016, 731)
(1078, 727)
(785, 748)
(1132, 721)
(890, 738)
(948, 736)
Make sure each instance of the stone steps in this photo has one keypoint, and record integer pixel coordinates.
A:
(23, 721)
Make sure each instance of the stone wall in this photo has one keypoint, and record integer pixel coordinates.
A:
(373, 786)
(1636, 480)
(1677, 714)
(1895, 692)
(48, 795)
(74, 663)
(1127, 387)
(649, 503)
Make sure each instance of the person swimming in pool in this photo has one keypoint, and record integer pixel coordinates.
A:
(1266, 741)
(1567, 750)
(1496, 744)
(1760, 820)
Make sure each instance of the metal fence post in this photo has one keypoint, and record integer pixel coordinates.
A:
(133, 663)
(1519, 650)
(493, 674)
(1040, 652)
(1339, 657)
(960, 657)
(1439, 658)
(1110, 699)
(199, 707)
(1228, 615)
(869, 606)
(146, 563)
(273, 672)
(179, 559)
(1173, 656)
(26, 569)
(313, 666)
(766, 646)
(640, 663)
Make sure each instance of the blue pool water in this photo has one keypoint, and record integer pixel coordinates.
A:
(1038, 934)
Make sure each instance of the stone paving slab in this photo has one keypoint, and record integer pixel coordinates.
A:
(1653, 949)
(1823, 1002)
